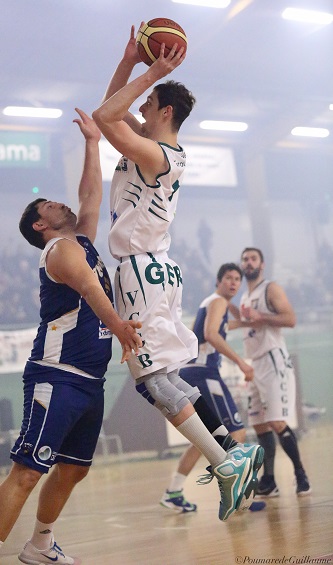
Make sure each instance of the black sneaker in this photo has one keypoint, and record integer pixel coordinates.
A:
(303, 486)
(267, 487)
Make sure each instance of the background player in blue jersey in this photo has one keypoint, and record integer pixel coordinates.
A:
(64, 376)
(144, 192)
(210, 327)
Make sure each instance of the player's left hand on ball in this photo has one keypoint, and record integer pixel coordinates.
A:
(131, 52)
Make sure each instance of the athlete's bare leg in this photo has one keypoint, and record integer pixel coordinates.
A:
(14, 492)
(57, 489)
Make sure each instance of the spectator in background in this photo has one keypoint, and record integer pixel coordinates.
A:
(18, 286)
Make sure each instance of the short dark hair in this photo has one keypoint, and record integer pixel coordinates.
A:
(29, 217)
(175, 94)
(260, 253)
(228, 267)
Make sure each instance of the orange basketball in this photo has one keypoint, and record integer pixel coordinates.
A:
(152, 34)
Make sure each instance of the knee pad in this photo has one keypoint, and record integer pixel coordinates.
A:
(192, 392)
(164, 395)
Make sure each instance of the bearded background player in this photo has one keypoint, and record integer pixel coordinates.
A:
(264, 310)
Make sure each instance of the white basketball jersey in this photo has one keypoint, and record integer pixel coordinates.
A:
(141, 214)
(257, 342)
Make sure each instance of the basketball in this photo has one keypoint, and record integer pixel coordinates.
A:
(157, 31)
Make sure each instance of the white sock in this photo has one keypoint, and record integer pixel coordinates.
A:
(177, 482)
(42, 536)
(196, 432)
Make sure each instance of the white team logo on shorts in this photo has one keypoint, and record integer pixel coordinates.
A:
(237, 418)
(45, 453)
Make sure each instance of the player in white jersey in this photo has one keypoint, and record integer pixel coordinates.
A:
(64, 376)
(148, 284)
(264, 310)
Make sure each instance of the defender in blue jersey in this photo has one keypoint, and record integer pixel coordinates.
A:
(211, 327)
(64, 376)
(148, 285)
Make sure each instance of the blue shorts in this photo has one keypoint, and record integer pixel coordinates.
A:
(61, 422)
(216, 394)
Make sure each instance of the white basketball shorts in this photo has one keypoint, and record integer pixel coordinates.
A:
(148, 288)
(272, 393)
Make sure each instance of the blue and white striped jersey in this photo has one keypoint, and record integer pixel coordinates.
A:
(208, 356)
(70, 337)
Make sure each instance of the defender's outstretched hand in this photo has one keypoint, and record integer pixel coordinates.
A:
(129, 338)
(247, 370)
(87, 125)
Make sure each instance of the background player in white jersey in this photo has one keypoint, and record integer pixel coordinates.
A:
(64, 376)
(211, 327)
(144, 195)
(264, 310)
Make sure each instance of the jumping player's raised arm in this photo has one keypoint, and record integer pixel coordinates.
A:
(121, 76)
(110, 116)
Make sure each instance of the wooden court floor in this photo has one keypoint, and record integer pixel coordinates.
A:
(113, 517)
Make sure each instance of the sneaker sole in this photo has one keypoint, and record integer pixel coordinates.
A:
(29, 560)
(250, 484)
(304, 492)
(259, 459)
(248, 478)
(246, 498)
(171, 507)
(32, 561)
(272, 494)
(176, 509)
(251, 488)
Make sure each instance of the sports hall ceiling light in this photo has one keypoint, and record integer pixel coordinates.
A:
(223, 126)
(331, 107)
(206, 3)
(30, 112)
(310, 132)
(307, 16)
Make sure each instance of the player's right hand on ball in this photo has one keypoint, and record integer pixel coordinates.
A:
(166, 63)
